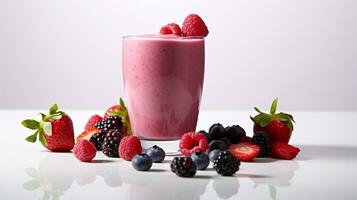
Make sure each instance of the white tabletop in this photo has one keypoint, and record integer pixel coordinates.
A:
(325, 168)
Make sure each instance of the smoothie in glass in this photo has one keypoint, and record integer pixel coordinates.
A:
(163, 82)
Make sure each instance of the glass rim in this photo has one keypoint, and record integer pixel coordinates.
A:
(163, 37)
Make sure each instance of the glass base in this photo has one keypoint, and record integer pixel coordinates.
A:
(171, 147)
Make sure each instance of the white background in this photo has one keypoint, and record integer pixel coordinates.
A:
(69, 51)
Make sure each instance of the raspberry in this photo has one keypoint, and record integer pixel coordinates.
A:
(193, 25)
(92, 121)
(129, 147)
(84, 150)
(244, 139)
(192, 142)
(283, 151)
(171, 28)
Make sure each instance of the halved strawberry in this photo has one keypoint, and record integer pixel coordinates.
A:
(244, 151)
(92, 121)
(87, 134)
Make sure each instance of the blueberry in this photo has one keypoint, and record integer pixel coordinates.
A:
(234, 133)
(217, 144)
(141, 162)
(217, 131)
(156, 153)
(208, 136)
(227, 141)
(213, 154)
(201, 160)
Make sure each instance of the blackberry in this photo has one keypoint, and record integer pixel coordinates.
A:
(260, 139)
(226, 164)
(111, 122)
(97, 139)
(183, 166)
(111, 143)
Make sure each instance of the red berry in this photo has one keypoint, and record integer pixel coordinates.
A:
(84, 150)
(192, 142)
(244, 139)
(129, 147)
(283, 151)
(85, 135)
(193, 25)
(171, 28)
(92, 121)
(244, 151)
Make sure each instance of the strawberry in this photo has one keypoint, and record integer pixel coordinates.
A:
(244, 151)
(55, 130)
(92, 121)
(121, 111)
(284, 151)
(85, 135)
(278, 126)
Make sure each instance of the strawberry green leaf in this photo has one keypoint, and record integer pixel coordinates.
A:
(42, 116)
(263, 119)
(122, 104)
(256, 109)
(273, 106)
(32, 138)
(290, 116)
(53, 109)
(30, 123)
(54, 116)
(42, 139)
(47, 128)
(252, 119)
(290, 125)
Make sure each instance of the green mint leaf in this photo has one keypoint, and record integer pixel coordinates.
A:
(30, 123)
(32, 138)
(53, 109)
(273, 106)
(47, 128)
(31, 185)
(257, 109)
(32, 172)
(42, 140)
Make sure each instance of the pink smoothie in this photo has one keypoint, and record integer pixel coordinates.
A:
(163, 82)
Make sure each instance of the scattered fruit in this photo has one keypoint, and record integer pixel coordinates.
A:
(121, 111)
(111, 122)
(217, 144)
(142, 162)
(226, 164)
(183, 166)
(156, 153)
(171, 28)
(193, 25)
(193, 142)
(201, 160)
(54, 131)
(278, 126)
(208, 137)
(227, 141)
(213, 154)
(217, 131)
(84, 150)
(129, 147)
(284, 151)
(85, 135)
(261, 139)
(244, 151)
(97, 139)
(92, 121)
(111, 142)
(235, 133)
(244, 139)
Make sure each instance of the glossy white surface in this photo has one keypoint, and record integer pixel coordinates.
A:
(325, 169)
